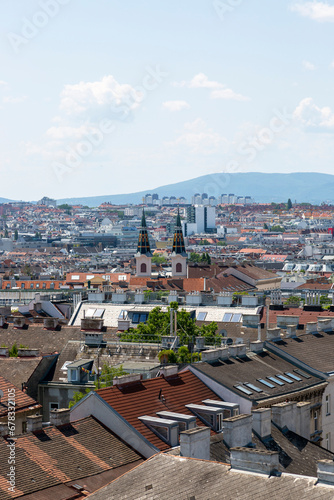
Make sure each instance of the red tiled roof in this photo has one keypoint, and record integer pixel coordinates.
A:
(22, 400)
(142, 398)
(304, 316)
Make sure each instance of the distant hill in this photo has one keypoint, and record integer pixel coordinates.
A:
(309, 187)
(5, 200)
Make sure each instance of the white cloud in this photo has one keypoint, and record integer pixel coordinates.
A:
(66, 132)
(313, 117)
(317, 11)
(198, 138)
(308, 66)
(102, 97)
(175, 105)
(3, 83)
(218, 90)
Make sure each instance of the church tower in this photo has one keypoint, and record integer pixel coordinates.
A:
(179, 256)
(143, 255)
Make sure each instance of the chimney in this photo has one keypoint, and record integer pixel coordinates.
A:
(60, 416)
(273, 334)
(34, 423)
(311, 327)
(4, 429)
(304, 419)
(169, 371)
(195, 443)
(285, 415)
(237, 431)
(250, 459)
(262, 422)
(237, 350)
(291, 331)
(256, 346)
(325, 471)
(127, 379)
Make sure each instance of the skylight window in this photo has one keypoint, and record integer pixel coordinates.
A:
(278, 382)
(292, 375)
(227, 317)
(265, 382)
(286, 379)
(253, 387)
(303, 374)
(201, 316)
(243, 389)
(236, 318)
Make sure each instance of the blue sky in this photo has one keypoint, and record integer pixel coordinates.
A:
(116, 96)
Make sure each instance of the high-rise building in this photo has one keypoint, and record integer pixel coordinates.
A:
(200, 219)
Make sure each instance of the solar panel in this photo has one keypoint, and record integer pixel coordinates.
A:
(243, 389)
(201, 316)
(227, 317)
(265, 382)
(253, 387)
(286, 379)
(278, 382)
(303, 374)
(292, 375)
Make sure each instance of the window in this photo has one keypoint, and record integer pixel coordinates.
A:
(179, 267)
(143, 318)
(24, 427)
(328, 405)
(303, 374)
(52, 285)
(276, 381)
(44, 285)
(315, 418)
(201, 316)
(143, 267)
(227, 317)
(328, 440)
(135, 318)
(37, 285)
(253, 387)
(292, 375)
(53, 406)
(23, 285)
(8, 285)
(286, 379)
(265, 382)
(236, 318)
(74, 375)
(243, 389)
(31, 285)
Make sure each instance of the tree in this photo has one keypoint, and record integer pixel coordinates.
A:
(77, 396)
(16, 235)
(13, 352)
(183, 354)
(167, 355)
(289, 204)
(277, 229)
(265, 226)
(159, 259)
(107, 375)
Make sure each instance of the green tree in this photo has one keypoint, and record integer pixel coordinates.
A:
(77, 396)
(289, 204)
(209, 333)
(16, 235)
(265, 226)
(107, 375)
(183, 354)
(277, 229)
(159, 260)
(13, 352)
(169, 353)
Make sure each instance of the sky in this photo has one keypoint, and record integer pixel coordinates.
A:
(115, 96)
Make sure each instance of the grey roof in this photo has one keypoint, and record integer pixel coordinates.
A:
(167, 477)
(251, 368)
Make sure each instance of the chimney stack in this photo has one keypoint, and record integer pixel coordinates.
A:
(325, 471)
(195, 443)
(250, 459)
(34, 423)
(237, 431)
(285, 415)
(60, 416)
(262, 422)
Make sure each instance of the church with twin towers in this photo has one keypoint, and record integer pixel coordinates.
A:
(144, 255)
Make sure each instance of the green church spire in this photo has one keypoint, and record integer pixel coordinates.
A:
(178, 242)
(143, 246)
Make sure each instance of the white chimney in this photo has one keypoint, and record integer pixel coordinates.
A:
(195, 443)
(304, 419)
(34, 423)
(250, 459)
(60, 417)
(237, 431)
(325, 471)
(291, 331)
(169, 371)
(273, 334)
(285, 415)
(256, 346)
(262, 422)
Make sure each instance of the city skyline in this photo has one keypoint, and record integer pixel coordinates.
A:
(181, 89)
